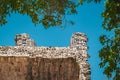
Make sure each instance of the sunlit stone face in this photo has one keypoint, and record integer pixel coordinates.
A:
(78, 41)
(24, 40)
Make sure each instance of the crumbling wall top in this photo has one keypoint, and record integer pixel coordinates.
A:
(24, 40)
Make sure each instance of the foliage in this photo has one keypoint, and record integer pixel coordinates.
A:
(110, 53)
(47, 12)
(88, 1)
(111, 15)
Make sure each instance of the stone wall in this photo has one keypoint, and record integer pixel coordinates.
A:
(25, 68)
(13, 68)
(77, 50)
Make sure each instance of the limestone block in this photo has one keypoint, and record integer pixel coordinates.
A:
(78, 41)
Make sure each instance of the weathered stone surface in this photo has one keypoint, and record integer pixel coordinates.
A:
(24, 40)
(25, 68)
(77, 50)
(13, 68)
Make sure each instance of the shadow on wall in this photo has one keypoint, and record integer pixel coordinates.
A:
(24, 68)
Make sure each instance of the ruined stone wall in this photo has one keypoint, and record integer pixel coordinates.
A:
(77, 51)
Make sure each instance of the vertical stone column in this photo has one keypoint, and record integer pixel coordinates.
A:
(24, 40)
(78, 42)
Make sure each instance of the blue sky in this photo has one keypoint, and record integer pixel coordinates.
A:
(88, 20)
